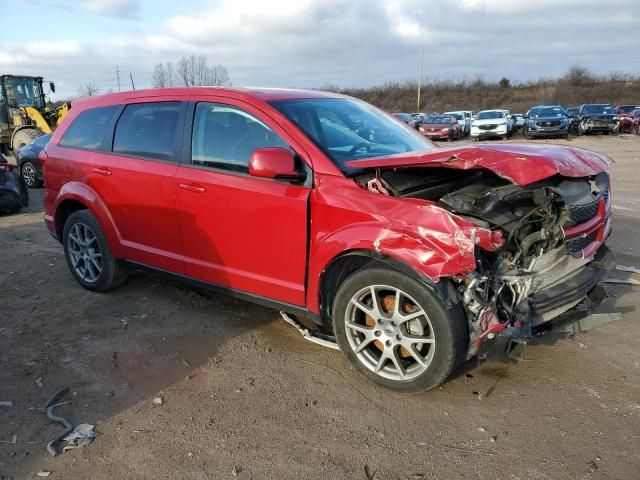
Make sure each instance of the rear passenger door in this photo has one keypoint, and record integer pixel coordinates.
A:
(240, 231)
(135, 178)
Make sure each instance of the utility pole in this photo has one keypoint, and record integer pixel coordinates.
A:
(419, 79)
(132, 84)
(118, 75)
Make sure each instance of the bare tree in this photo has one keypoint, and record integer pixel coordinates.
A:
(88, 90)
(577, 75)
(163, 75)
(195, 71)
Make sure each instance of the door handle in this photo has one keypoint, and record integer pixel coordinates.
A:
(192, 188)
(102, 171)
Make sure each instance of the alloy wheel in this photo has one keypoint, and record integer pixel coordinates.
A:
(29, 175)
(84, 253)
(389, 332)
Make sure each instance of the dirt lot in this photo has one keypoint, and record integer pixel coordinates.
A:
(245, 396)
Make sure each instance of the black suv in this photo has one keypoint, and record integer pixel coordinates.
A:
(546, 121)
(598, 117)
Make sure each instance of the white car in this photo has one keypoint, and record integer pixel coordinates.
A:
(492, 123)
(463, 119)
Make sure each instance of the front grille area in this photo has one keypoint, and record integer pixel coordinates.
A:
(487, 127)
(554, 123)
(586, 211)
(576, 244)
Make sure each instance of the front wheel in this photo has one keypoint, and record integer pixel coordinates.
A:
(397, 331)
(88, 254)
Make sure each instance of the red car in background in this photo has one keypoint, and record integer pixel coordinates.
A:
(625, 112)
(441, 127)
(413, 258)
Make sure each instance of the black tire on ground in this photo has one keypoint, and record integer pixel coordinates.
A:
(113, 274)
(24, 137)
(30, 175)
(449, 326)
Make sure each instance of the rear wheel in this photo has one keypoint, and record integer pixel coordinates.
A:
(396, 331)
(30, 175)
(88, 255)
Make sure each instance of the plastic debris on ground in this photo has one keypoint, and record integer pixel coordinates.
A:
(81, 436)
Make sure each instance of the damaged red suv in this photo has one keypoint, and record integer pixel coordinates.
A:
(414, 257)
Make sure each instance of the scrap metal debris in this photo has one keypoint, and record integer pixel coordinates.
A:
(81, 436)
(43, 474)
(624, 268)
(157, 401)
(312, 336)
(77, 437)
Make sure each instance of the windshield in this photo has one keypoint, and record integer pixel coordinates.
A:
(446, 120)
(546, 112)
(347, 130)
(23, 92)
(626, 109)
(598, 109)
(457, 116)
(490, 115)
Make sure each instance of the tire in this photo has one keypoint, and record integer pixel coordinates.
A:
(24, 137)
(367, 342)
(105, 273)
(30, 175)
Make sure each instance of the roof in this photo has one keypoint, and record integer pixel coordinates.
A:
(264, 94)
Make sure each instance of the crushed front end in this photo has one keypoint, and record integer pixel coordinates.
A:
(551, 265)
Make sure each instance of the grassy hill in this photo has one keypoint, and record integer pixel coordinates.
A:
(578, 86)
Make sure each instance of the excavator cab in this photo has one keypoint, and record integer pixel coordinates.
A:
(24, 111)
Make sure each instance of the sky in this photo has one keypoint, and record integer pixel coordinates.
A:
(311, 43)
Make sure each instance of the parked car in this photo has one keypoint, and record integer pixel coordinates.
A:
(14, 194)
(573, 114)
(518, 121)
(491, 124)
(463, 120)
(635, 121)
(406, 119)
(626, 121)
(597, 117)
(28, 162)
(546, 121)
(443, 127)
(415, 257)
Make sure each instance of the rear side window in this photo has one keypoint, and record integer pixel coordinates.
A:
(148, 130)
(87, 131)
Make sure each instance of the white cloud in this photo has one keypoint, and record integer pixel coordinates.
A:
(310, 43)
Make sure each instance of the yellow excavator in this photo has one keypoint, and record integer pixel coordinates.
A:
(25, 113)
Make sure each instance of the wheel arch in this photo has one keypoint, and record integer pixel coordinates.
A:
(345, 264)
(77, 196)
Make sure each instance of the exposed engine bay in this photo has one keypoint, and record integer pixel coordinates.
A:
(553, 257)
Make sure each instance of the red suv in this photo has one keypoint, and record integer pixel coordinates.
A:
(414, 257)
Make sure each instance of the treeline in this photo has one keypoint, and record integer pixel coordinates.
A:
(576, 87)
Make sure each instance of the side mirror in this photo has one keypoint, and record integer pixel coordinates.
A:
(274, 162)
(52, 87)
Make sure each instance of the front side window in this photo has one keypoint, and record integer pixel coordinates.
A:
(148, 130)
(347, 130)
(89, 128)
(225, 137)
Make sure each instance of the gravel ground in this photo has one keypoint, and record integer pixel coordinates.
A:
(244, 396)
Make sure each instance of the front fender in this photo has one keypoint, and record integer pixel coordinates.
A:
(434, 253)
(82, 193)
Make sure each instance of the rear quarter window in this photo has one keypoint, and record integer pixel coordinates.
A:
(148, 130)
(89, 128)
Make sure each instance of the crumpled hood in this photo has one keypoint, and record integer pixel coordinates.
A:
(521, 164)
